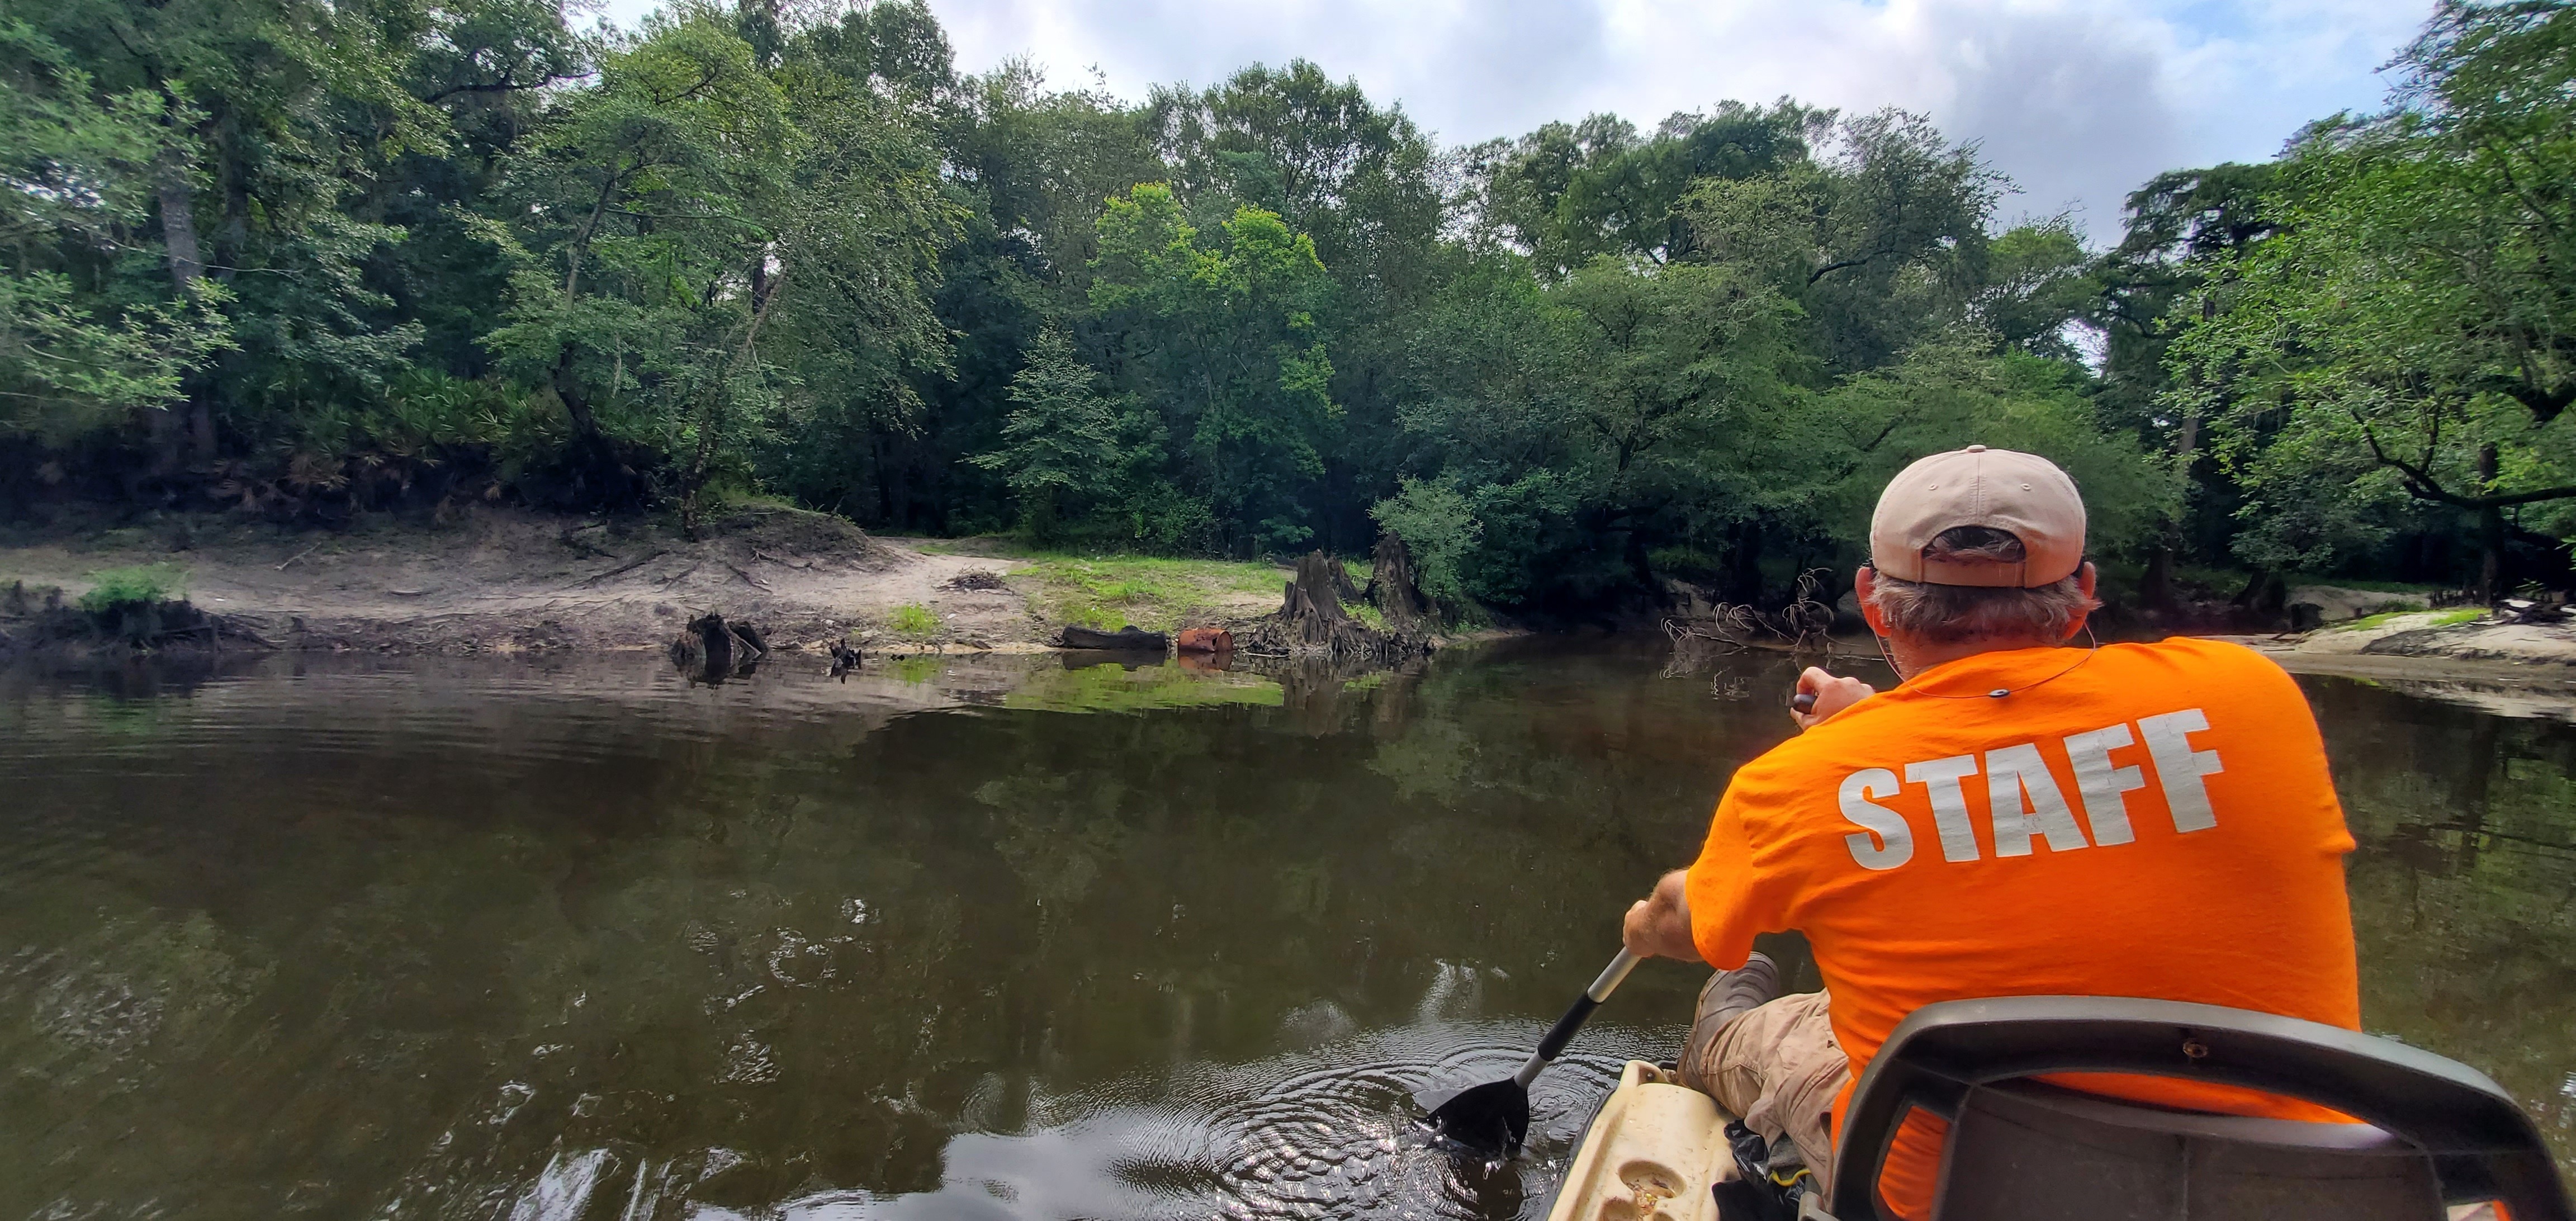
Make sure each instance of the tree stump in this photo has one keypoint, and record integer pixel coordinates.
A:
(1392, 587)
(1311, 620)
(713, 650)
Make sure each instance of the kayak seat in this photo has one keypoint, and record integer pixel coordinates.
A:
(2030, 1150)
(2437, 1138)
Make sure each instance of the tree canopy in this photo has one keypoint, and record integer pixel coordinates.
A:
(308, 260)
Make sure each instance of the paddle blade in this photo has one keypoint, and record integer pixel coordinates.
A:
(1489, 1120)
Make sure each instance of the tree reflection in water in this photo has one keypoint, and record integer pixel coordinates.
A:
(435, 939)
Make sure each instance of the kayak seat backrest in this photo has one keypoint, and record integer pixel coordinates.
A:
(2434, 1132)
(2020, 1150)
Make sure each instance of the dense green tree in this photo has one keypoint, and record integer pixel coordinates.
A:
(1882, 242)
(1060, 449)
(307, 258)
(1219, 337)
(81, 347)
(855, 251)
(1357, 178)
(1572, 193)
(641, 210)
(1588, 424)
(275, 110)
(2039, 280)
(2402, 341)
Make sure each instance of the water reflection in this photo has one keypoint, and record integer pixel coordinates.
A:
(582, 940)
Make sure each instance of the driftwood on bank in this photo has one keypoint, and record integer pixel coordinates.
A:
(1312, 622)
(1804, 625)
(1128, 639)
(1204, 640)
(712, 650)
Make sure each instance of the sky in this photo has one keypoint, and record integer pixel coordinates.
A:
(2078, 101)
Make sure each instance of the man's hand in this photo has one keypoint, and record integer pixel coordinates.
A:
(1832, 696)
(1659, 924)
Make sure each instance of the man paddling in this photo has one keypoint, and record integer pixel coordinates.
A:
(2016, 817)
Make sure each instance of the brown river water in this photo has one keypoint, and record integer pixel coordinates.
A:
(981, 938)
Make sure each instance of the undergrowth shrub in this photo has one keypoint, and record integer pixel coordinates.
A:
(139, 604)
(147, 584)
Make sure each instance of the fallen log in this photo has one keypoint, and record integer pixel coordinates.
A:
(1205, 640)
(1128, 639)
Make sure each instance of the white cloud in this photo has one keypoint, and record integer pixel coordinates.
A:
(2078, 100)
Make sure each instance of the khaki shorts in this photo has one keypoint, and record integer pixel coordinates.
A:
(1777, 1066)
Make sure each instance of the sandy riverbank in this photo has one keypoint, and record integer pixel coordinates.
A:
(508, 581)
(2522, 670)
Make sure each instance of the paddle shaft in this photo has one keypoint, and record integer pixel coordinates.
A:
(1563, 1032)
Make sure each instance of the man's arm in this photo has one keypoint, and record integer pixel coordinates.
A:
(1659, 925)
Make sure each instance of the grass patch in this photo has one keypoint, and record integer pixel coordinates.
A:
(913, 621)
(2448, 618)
(115, 588)
(723, 496)
(1151, 592)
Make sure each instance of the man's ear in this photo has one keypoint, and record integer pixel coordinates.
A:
(1865, 582)
(2085, 580)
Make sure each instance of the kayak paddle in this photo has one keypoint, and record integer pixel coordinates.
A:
(1491, 1119)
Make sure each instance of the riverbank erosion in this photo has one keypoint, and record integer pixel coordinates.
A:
(513, 581)
(504, 581)
(2466, 656)
(2461, 635)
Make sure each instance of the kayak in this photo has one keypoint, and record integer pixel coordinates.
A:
(1655, 1152)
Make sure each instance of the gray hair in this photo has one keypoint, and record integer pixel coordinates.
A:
(1947, 614)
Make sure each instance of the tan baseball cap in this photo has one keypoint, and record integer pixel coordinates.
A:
(2023, 495)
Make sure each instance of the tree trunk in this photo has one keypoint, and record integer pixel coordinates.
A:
(201, 426)
(1744, 564)
(179, 235)
(2490, 530)
(1392, 587)
(568, 388)
(187, 266)
(2490, 554)
(2155, 588)
(1344, 587)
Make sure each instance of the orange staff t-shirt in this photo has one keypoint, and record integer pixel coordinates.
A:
(2156, 821)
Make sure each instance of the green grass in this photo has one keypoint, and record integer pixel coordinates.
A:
(112, 588)
(1151, 592)
(913, 621)
(2448, 618)
(727, 497)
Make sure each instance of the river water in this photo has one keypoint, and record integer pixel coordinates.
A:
(965, 938)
